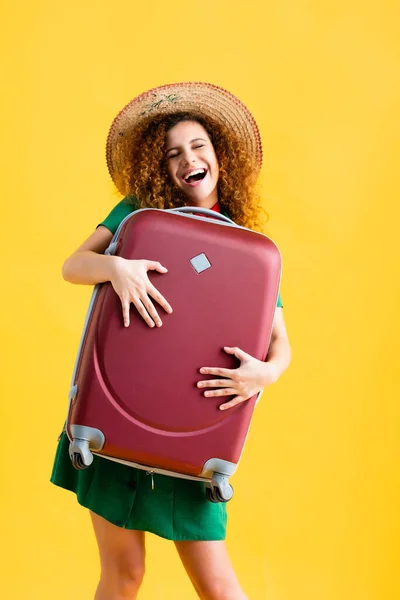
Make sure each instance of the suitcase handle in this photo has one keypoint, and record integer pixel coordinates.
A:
(202, 211)
(183, 209)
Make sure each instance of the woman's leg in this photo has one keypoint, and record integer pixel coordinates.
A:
(122, 559)
(210, 570)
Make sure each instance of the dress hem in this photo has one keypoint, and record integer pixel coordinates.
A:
(153, 531)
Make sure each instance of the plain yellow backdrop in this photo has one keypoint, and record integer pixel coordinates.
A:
(316, 509)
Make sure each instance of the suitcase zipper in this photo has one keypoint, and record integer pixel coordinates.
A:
(152, 478)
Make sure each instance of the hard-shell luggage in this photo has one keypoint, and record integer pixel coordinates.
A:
(133, 397)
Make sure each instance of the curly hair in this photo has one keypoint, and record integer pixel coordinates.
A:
(145, 181)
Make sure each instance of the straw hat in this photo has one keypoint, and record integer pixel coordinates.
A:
(206, 98)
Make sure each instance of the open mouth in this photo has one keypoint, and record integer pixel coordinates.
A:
(195, 177)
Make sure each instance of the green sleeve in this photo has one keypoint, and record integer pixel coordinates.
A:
(279, 302)
(118, 213)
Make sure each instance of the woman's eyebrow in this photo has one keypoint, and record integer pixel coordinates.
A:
(191, 142)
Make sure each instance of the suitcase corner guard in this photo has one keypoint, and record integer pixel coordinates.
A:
(217, 465)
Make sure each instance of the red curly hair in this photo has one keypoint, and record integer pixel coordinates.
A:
(144, 178)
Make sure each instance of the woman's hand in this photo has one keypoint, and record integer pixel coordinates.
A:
(130, 281)
(244, 382)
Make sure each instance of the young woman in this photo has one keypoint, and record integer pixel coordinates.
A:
(183, 144)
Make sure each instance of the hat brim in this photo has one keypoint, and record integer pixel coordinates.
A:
(206, 98)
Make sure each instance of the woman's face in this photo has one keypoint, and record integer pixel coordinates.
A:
(192, 164)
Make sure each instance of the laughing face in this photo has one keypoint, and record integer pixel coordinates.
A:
(192, 164)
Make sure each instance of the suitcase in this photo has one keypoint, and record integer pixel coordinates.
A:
(133, 397)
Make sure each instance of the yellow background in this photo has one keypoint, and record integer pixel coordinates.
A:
(316, 509)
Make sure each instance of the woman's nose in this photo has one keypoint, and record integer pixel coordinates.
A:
(188, 157)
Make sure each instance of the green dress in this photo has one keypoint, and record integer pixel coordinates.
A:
(176, 509)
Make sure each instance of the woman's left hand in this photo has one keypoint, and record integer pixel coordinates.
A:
(244, 382)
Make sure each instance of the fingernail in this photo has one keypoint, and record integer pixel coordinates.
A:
(222, 407)
(202, 370)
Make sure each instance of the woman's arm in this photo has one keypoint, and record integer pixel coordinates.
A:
(279, 353)
(253, 375)
(88, 265)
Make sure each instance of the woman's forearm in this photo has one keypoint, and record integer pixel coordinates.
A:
(279, 354)
(89, 268)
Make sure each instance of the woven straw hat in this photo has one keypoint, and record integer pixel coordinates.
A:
(206, 98)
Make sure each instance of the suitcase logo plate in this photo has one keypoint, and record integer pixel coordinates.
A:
(200, 263)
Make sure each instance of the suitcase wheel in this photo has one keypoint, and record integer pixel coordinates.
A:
(77, 461)
(226, 497)
(219, 490)
(80, 455)
(210, 495)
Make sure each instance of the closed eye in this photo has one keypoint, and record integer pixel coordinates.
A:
(177, 153)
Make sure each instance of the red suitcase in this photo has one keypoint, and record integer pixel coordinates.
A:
(133, 397)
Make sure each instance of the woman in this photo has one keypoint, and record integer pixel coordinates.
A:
(182, 144)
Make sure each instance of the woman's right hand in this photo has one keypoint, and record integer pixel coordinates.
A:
(130, 281)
